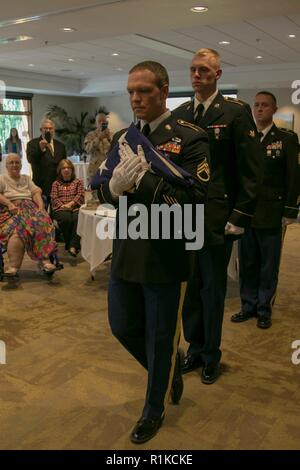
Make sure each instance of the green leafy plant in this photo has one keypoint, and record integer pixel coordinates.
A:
(70, 130)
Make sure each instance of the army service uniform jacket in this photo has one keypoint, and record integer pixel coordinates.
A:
(162, 260)
(235, 164)
(281, 185)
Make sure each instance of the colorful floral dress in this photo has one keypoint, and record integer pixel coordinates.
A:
(34, 228)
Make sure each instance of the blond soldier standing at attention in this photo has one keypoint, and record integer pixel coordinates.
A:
(236, 174)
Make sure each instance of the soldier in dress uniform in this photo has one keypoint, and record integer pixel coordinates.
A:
(147, 276)
(260, 247)
(236, 174)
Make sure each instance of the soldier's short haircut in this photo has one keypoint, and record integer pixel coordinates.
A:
(206, 51)
(268, 93)
(160, 72)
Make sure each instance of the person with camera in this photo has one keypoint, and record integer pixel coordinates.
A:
(44, 154)
(97, 144)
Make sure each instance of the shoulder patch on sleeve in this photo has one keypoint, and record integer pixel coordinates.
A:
(188, 124)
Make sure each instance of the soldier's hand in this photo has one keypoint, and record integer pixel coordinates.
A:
(231, 229)
(124, 175)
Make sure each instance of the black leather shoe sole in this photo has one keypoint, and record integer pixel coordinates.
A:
(191, 363)
(210, 374)
(145, 429)
(240, 317)
(264, 323)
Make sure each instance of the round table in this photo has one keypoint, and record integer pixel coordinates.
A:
(93, 250)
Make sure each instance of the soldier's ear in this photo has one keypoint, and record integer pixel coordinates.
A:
(218, 74)
(165, 91)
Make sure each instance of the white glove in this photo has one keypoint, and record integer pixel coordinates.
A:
(124, 176)
(287, 221)
(125, 151)
(231, 229)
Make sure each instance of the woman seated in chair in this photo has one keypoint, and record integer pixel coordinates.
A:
(67, 195)
(24, 223)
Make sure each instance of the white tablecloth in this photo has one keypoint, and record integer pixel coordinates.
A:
(93, 250)
(81, 172)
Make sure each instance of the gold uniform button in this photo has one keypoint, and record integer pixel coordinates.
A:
(225, 196)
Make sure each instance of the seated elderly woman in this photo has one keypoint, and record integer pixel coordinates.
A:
(24, 224)
(67, 195)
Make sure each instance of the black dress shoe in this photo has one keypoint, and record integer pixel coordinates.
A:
(145, 429)
(191, 363)
(241, 316)
(210, 373)
(177, 384)
(264, 322)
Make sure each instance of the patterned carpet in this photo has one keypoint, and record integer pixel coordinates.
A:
(68, 384)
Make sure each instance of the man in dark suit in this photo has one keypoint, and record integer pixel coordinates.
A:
(147, 276)
(236, 173)
(44, 153)
(260, 247)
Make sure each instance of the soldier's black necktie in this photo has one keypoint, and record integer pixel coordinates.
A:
(260, 136)
(146, 129)
(199, 113)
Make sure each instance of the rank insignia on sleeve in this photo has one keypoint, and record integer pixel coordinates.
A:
(203, 172)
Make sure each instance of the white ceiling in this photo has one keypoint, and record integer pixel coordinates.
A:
(162, 30)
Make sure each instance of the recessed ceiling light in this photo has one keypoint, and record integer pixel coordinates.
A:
(224, 43)
(30, 65)
(119, 69)
(292, 35)
(199, 9)
(115, 54)
(4, 40)
(259, 57)
(71, 60)
(18, 21)
(68, 30)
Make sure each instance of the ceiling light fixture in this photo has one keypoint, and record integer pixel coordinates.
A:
(292, 36)
(68, 30)
(6, 23)
(71, 60)
(259, 57)
(199, 9)
(30, 65)
(115, 54)
(224, 43)
(4, 40)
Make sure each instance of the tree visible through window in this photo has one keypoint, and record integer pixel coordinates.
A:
(15, 111)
